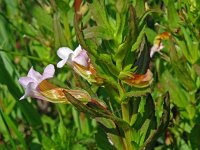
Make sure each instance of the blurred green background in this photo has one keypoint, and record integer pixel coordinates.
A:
(30, 34)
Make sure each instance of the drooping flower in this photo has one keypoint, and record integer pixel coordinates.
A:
(80, 62)
(37, 86)
(157, 46)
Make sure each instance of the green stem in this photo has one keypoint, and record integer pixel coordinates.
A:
(127, 131)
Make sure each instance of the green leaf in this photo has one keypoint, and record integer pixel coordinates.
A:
(184, 76)
(178, 95)
(125, 47)
(195, 136)
(102, 140)
(42, 17)
(172, 14)
(140, 8)
(14, 128)
(139, 39)
(143, 60)
(94, 109)
(150, 119)
(196, 67)
(98, 11)
(151, 34)
(97, 32)
(121, 19)
(48, 143)
(58, 32)
(192, 46)
(149, 143)
(5, 130)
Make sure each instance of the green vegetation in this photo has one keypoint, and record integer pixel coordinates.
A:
(139, 88)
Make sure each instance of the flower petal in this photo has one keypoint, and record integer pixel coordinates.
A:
(82, 59)
(80, 56)
(24, 81)
(34, 75)
(77, 51)
(156, 48)
(61, 63)
(31, 86)
(31, 91)
(64, 52)
(48, 72)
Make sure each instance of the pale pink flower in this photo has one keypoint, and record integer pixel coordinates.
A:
(68, 56)
(33, 79)
(37, 86)
(80, 62)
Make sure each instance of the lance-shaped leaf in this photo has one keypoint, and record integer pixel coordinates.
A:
(140, 7)
(121, 18)
(143, 61)
(95, 110)
(113, 132)
(161, 127)
(97, 32)
(139, 39)
(172, 15)
(125, 47)
(178, 95)
(58, 32)
(149, 120)
(98, 11)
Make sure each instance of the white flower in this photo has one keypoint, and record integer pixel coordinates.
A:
(68, 56)
(156, 48)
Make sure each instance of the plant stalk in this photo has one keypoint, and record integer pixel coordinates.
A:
(127, 131)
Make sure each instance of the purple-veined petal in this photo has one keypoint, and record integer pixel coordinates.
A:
(31, 91)
(61, 63)
(64, 52)
(24, 81)
(80, 56)
(34, 75)
(48, 72)
(31, 86)
(82, 59)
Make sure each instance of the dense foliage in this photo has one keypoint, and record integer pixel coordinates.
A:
(130, 91)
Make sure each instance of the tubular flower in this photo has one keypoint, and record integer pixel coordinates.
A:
(157, 46)
(80, 62)
(139, 80)
(37, 86)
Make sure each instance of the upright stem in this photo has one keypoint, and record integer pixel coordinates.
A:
(127, 131)
(126, 117)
